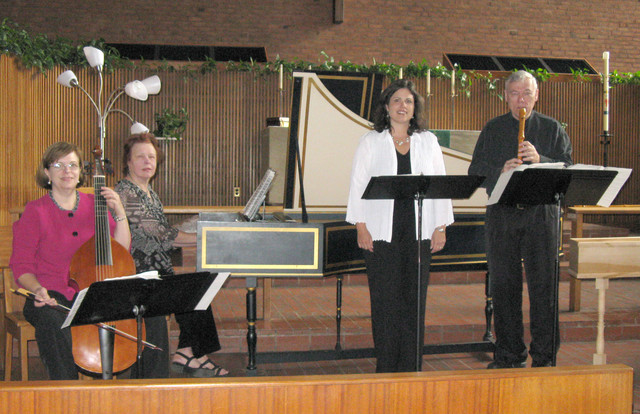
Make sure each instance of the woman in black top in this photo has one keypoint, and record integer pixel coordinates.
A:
(152, 237)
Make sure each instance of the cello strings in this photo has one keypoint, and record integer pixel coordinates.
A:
(104, 259)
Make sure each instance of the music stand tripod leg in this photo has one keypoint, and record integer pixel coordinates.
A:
(556, 280)
(107, 339)
(139, 312)
(419, 198)
(338, 346)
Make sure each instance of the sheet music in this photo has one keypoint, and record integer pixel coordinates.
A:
(74, 308)
(213, 290)
(613, 189)
(151, 274)
(258, 196)
(605, 201)
(504, 178)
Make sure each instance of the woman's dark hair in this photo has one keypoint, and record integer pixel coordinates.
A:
(146, 137)
(53, 154)
(381, 117)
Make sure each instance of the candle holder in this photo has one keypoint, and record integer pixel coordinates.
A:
(453, 110)
(605, 142)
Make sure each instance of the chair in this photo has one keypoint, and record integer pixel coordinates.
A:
(16, 327)
(6, 237)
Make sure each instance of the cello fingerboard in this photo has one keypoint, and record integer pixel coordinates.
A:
(102, 236)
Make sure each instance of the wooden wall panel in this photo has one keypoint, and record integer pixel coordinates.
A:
(591, 389)
(221, 147)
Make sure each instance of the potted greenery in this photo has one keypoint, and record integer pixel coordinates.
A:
(171, 123)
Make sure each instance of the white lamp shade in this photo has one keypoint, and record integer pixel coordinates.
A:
(138, 128)
(94, 56)
(136, 90)
(68, 79)
(152, 84)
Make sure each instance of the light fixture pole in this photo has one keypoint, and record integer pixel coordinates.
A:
(136, 89)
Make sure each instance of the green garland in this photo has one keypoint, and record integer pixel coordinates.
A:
(43, 54)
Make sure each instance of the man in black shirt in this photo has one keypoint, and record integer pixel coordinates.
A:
(521, 234)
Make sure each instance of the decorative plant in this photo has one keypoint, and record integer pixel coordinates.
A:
(580, 75)
(171, 123)
(42, 53)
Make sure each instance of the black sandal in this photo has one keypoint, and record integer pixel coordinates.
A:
(200, 371)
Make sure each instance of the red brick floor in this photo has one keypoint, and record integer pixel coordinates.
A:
(454, 313)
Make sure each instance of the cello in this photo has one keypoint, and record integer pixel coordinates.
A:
(98, 351)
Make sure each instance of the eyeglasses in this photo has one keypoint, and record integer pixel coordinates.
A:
(59, 166)
(525, 94)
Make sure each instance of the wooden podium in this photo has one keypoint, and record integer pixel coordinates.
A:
(576, 216)
(603, 259)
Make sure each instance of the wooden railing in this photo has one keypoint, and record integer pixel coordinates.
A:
(585, 389)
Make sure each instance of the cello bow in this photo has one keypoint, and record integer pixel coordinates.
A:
(32, 296)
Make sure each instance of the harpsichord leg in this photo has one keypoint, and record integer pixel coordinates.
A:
(252, 336)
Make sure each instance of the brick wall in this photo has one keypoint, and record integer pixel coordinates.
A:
(389, 31)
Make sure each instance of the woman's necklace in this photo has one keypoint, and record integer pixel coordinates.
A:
(75, 206)
(401, 141)
(144, 189)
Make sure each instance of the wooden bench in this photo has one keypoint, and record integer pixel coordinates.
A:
(603, 259)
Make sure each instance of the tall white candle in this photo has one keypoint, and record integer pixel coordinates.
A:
(281, 80)
(605, 123)
(453, 81)
(428, 82)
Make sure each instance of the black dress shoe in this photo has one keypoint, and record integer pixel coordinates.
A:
(538, 364)
(500, 365)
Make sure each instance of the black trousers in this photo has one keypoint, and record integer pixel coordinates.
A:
(392, 275)
(54, 344)
(516, 236)
(198, 331)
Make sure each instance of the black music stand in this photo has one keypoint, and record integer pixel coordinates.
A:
(420, 187)
(536, 186)
(137, 297)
